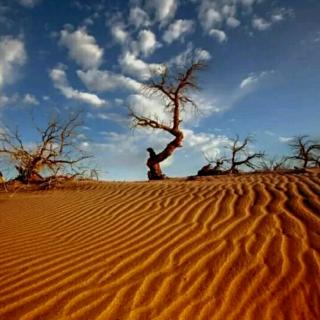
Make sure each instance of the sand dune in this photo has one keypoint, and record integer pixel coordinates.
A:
(244, 247)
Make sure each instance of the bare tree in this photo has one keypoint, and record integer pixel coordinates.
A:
(306, 151)
(55, 152)
(274, 164)
(175, 93)
(241, 156)
(214, 167)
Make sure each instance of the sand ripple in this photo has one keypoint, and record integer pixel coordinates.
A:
(245, 247)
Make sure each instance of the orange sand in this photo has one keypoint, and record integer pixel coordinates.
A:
(245, 247)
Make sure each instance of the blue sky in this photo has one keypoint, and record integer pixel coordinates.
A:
(262, 78)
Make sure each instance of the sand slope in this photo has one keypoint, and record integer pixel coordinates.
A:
(230, 248)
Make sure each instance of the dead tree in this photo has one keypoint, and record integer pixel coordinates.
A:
(175, 93)
(241, 156)
(306, 151)
(274, 164)
(56, 151)
(210, 169)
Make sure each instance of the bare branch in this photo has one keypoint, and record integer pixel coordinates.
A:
(56, 149)
(174, 91)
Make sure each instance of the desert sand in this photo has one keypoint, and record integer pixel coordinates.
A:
(244, 247)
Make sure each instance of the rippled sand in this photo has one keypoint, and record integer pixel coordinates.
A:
(244, 247)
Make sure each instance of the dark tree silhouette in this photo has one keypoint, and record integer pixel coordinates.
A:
(175, 93)
(210, 169)
(306, 151)
(56, 150)
(274, 164)
(241, 156)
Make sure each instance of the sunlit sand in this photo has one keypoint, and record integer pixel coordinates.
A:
(245, 247)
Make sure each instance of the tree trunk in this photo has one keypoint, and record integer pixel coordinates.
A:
(154, 159)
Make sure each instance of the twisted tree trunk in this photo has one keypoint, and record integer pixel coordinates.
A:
(154, 159)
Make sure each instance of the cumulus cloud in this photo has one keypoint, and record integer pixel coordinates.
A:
(261, 24)
(5, 100)
(82, 48)
(209, 15)
(139, 18)
(30, 99)
(214, 15)
(218, 35)
(119, 33)
(29, 3)
(190, 54)
(206, 143)
(136, 67)
(59, 78)
(233, 22)
(17, 99)
(147, 42)
(101, 81)
(150, 107)
(278, 15)
(12, 56)
(164, 9)
(177, 30)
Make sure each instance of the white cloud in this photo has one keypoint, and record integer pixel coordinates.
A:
(261, 24)
(138, 68)
(201, 55)
(126, 153)
(30, 99)
(82, 48)
(177, 30)
(280, 14)
(139, 18)
(17, 99)
(100, 81)
(153, 107)
(119, 33)
(59, 78)
(233, 22)
(29, 3)
(12, 56)
(150, 107)
(209, 15)
(249, 81)
(248, 2)
(164, 9)
(229, 10)
(285, 139)
(219, 35)
(147, 42)
(206, 143)
(254, 78)
(4, 100)
(190, 54)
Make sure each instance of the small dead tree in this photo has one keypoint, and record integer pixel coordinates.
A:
(214, 167)
(175, 93)
(241, 156)
(56, 151)
(306, 151)
(274, 164)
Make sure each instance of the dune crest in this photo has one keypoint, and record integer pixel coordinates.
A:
(245, 247)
